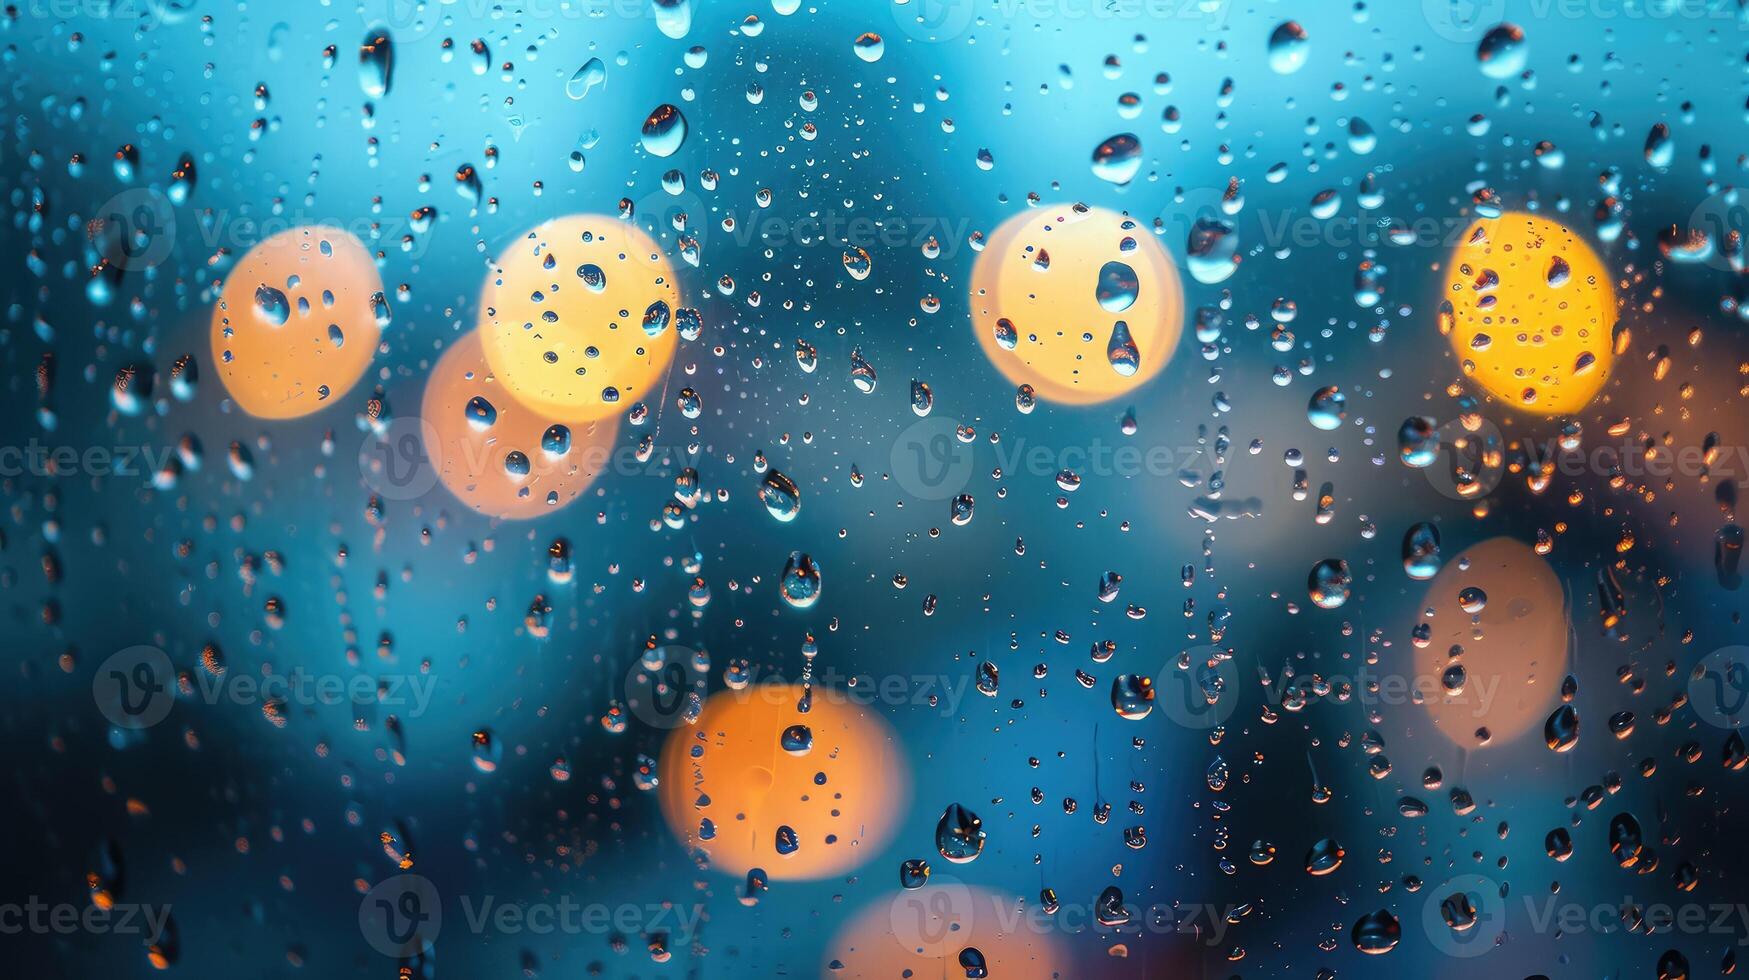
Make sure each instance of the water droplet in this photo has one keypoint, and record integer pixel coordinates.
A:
(664, 131)
(376, 63)
(1289, 47)
(1329, 582)
(592, 73)
(869, 47)
(800, 585)
(1118, 158)
(780, 495)
(959, 835)
(1118, 287)
(1502, 51)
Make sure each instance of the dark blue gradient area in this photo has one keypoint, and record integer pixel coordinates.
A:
(268, 716)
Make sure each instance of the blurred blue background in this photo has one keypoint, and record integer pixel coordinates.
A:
(262, 837)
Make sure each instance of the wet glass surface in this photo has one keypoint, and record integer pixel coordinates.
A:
(858, 488)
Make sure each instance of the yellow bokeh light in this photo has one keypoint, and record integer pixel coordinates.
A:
(1052, 286)
(922, 933)
(1530, 313)
(1514, 649)
(578, 316)
(499, 456)
(733, 757)
(296, 324)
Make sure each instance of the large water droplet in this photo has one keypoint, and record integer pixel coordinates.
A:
(800, 585)
(1502, 51)
(376, 63)
(781, 497)
(664, 130)
(1121, 351)
(959, 835)
(1289, 47)
(1118, 287)
(592, 73)
(1118, 158)
(1329, 582)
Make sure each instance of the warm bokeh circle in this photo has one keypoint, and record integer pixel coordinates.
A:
(578, 316)
(843, 797)
(1530, 313)
(296, 323)
(1036, 302)
(1514, 648)
(921, 933)
(501, 457)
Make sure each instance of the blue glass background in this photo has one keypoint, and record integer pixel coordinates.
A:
(184, 84)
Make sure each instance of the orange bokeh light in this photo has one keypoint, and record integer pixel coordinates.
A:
(1514, 649)
(563, 316)
(509, 468)
(295, 326)
(733, 758)
(921, 933)
(1036, 302)
(1530, 313)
